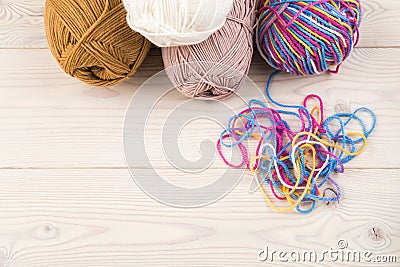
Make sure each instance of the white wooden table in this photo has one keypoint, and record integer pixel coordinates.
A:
(67, 198)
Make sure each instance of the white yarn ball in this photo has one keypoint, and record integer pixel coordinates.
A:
(176, 22)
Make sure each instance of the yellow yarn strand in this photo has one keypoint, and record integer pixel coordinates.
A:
(286, 190)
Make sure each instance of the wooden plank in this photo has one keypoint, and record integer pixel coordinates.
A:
(21, 24)
(50, 120)
(380, 24)
(101, 218)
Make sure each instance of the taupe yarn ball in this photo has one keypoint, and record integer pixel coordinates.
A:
(92, 41)
(218, 66)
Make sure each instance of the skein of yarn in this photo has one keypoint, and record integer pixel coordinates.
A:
(91, 40)
(176, 22)
(307, 37)
(216, 67)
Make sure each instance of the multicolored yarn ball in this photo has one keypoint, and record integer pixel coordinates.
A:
(92, 42)
(307, 37)
(296, 162)
(216, 67)
(176, 22)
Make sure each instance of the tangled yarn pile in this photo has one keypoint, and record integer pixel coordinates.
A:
(91, 40)
(216, 67)
(176, 22)
(296, 164)
(307, 37)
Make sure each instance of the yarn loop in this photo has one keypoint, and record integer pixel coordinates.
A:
(296, 165)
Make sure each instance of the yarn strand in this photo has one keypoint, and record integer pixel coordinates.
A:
(297, 166)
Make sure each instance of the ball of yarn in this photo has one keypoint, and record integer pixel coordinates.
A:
(307, 37)
(216, 67)
(91, 40)
(176, 22)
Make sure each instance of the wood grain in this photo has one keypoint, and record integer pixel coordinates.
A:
(50, 120)
(21, 24)
(101, 218)
(380, 24)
